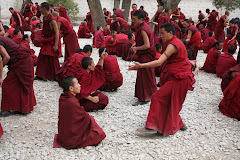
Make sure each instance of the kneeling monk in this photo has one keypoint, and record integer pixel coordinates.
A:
(76, 128)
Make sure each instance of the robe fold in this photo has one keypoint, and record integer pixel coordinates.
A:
(119, 13)
(123, 24)
(226, 45)
(17, 22)
(195, 42)
(212, 21)
(109, 43)
(208, 44)
(83, 33)
(225, 62)
(76, 128)
(98, 39)
(34, 57)
(219, 31)
(37, 36)
(167, 102)
(17, 87)
(230, 104)
(211, 60)
(163, 18)
(118, 46)
(63, 13)
(128, 54)
(204, 33)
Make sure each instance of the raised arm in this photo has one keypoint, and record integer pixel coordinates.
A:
(20, 20)
(101, 60)
(189, 35)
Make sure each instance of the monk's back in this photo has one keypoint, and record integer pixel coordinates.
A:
(111, 64)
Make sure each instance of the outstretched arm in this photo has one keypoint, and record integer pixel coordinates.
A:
(101, 60)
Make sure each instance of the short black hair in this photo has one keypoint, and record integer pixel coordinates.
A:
(87, 48)
(207, 10)
(113, 31)
(25, 36)
(98, 27)
(36, 2)
(130, 35)
(123, 31)
(231, 49)
(79, 50)
(102, 49)
(158, 46)
(34, 18)
(51, 5)
(11, 8)
(167, 9)
(183, 30)
(156, 32)
(86, 61)
(114, 15)
(16, 31)
(218, 42)
(168, 27)
(184, 41)
(5, 27)
(114, 9)
(139, 14)
(200, 11)
(232, 21)
(210, 33)
(67, 82)
(134, 4)
(38, 25)
(45, 5)
(104, 9)
(186, 20)
(174, 19)
(141, 7)
(213, 10)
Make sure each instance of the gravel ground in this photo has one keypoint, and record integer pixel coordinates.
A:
(210, 134)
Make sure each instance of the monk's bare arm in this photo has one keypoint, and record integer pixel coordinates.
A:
(1, 29)
(146, 44)
(206, 17)
(20, 21)
(189, 35)
(101, 60)
(56, 30)
(235, 35)
(5, 55)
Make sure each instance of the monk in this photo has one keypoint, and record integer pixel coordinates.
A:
(113, 76)
(90, 22)
(73, 66)
(128, 54)
(37, 35)
(17, 36)
(193, 38)
(6, 28)
(158, 54)
(63, 13)
(204, 32)
(146, 18)
(201, 16)
(166, 103)
(107, 16)
(163, 18)
(178, 14)
(156, 16)
(9, 33)
(134, 8)
(52, 8)
(110, 42)
(2, 30)
(17, 88)
(91, 79)
(175, 23)
(26, 40)
(212, 58)
(120, 24)
(156, 37)
(232, 36)
(118, 46)
(228, 76)
(18, 20)
(213, 18)
(106, 30)
(76, 128)
(230, 104)
(208, 43)
(38, 14)
(48, 63)
(226, 61)
(118, 12)
(221, 24)
(82, 31)
(69, 35)
(146, 82)
(98, 37)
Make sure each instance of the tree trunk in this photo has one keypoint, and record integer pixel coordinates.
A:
(95, 8)
(126, 5)
(117, 3)
(169, 3)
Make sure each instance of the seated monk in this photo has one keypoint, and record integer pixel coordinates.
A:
(230, 104)
(98, 38)
(120, 39)
(128, 54)
(83, 32)
(212, 58)
(232, 36)
(106, 30)
(76, 128)
(26, 41)
(2, 30)
(226, 61)
(228, 76)
(91, 78)
(17, 88)
(73, 65)
(158, 54)
(120, 24)
(17, 36)
(208, 43)
(113, 76)
(110, 42)
(6, 28)
(37, 35)
(204, 32)
(183, 34)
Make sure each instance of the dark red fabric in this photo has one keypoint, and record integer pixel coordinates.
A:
(63, 13)
(109, 43)
(38, 14)
(32, 52)
(204, 33)
(227, 77)
(201, 16)
(82, 32)
(156, 16)
(17, 87)
(156, 38)
(17, 22)
(158, 69)
(211, 60)
(123, 24)
(1, 130)
(177, 29)
(106, 32)
(208, 44)
(195, 42)
(76, 128)
(90, 22)
(230, 104)
(167, 102)
(212, 21)
(98, 39)
(163, 19)
(146, 82)
(113, 76)
(225, 62)
(226, 45)
(118, 46)
(219, 31)
(36, 38)
(119, 13)
(128, 55)
(17, 39)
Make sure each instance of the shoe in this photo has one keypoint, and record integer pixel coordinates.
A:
(183, 128)
(140, 103)
(38, 78)
(5, 113)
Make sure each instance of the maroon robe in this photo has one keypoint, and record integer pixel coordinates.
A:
(123, 24)
(36, 38)
(163, 19)
(109, 43)
(201, 16)
(204, 33)
(109, 20)
(118, 46)
(76, 128)
(219, 31)
(17, 87)
(17, 39)
(167, 102)
(48, 63)
(82, 32)
(98, 39)
(146, 82)
(211, 60)
(69, 38)
(17, 22)
(90, 22)
(212, 21)
(195, 42)
(128, 55)
(119, 13)
(38, 11)
(225, 62)
(227, 77)
(230, 104)
(208, 44)
(157, 14)
(63, 13)
(113, 76)
(158, 69)
(34, 57)
(226, 45)
(177, 29)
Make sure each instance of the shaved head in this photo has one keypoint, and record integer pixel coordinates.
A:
(55, 14)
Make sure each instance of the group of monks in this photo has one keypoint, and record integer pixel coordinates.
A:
(170, 52)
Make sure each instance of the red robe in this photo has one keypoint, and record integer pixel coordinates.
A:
(76, 128)
(225, 62)
(90, 22)
(201, 16)
(212, 21)
(118, 46)
(195, 42)
(82, 32)
(229, 37)
(146, 18)
(34, 57)
(208, 44)
(123, 24)
(230, 104)
(119, 13)
(167, 102)
(113, 76)
(17, 39)
(158, 69)
(227, 77)
(17, 87)
(156, 16)
(163, 19)
(17, 22)
(177, 29)
(156, 38)
(38, 11)
(211, 60)
(106, 14)
(90, 82)
(109, 43)
(69, 38)
(146, 82)
(48, 63)
(1, 130)
(204, 33)
(128, 55)
(106, 32)
(63, 13)
(219, 31)
(36, 37)
(98, 39)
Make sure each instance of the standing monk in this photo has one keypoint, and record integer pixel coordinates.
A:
(156, 16)
(38, 14)
(17, 87)
(166, 103)
(232, 36)
(134, 8)
(219, 31)
(63, 13)
(48, 63)
(69, 35)
(145, 83)
(18, 22)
